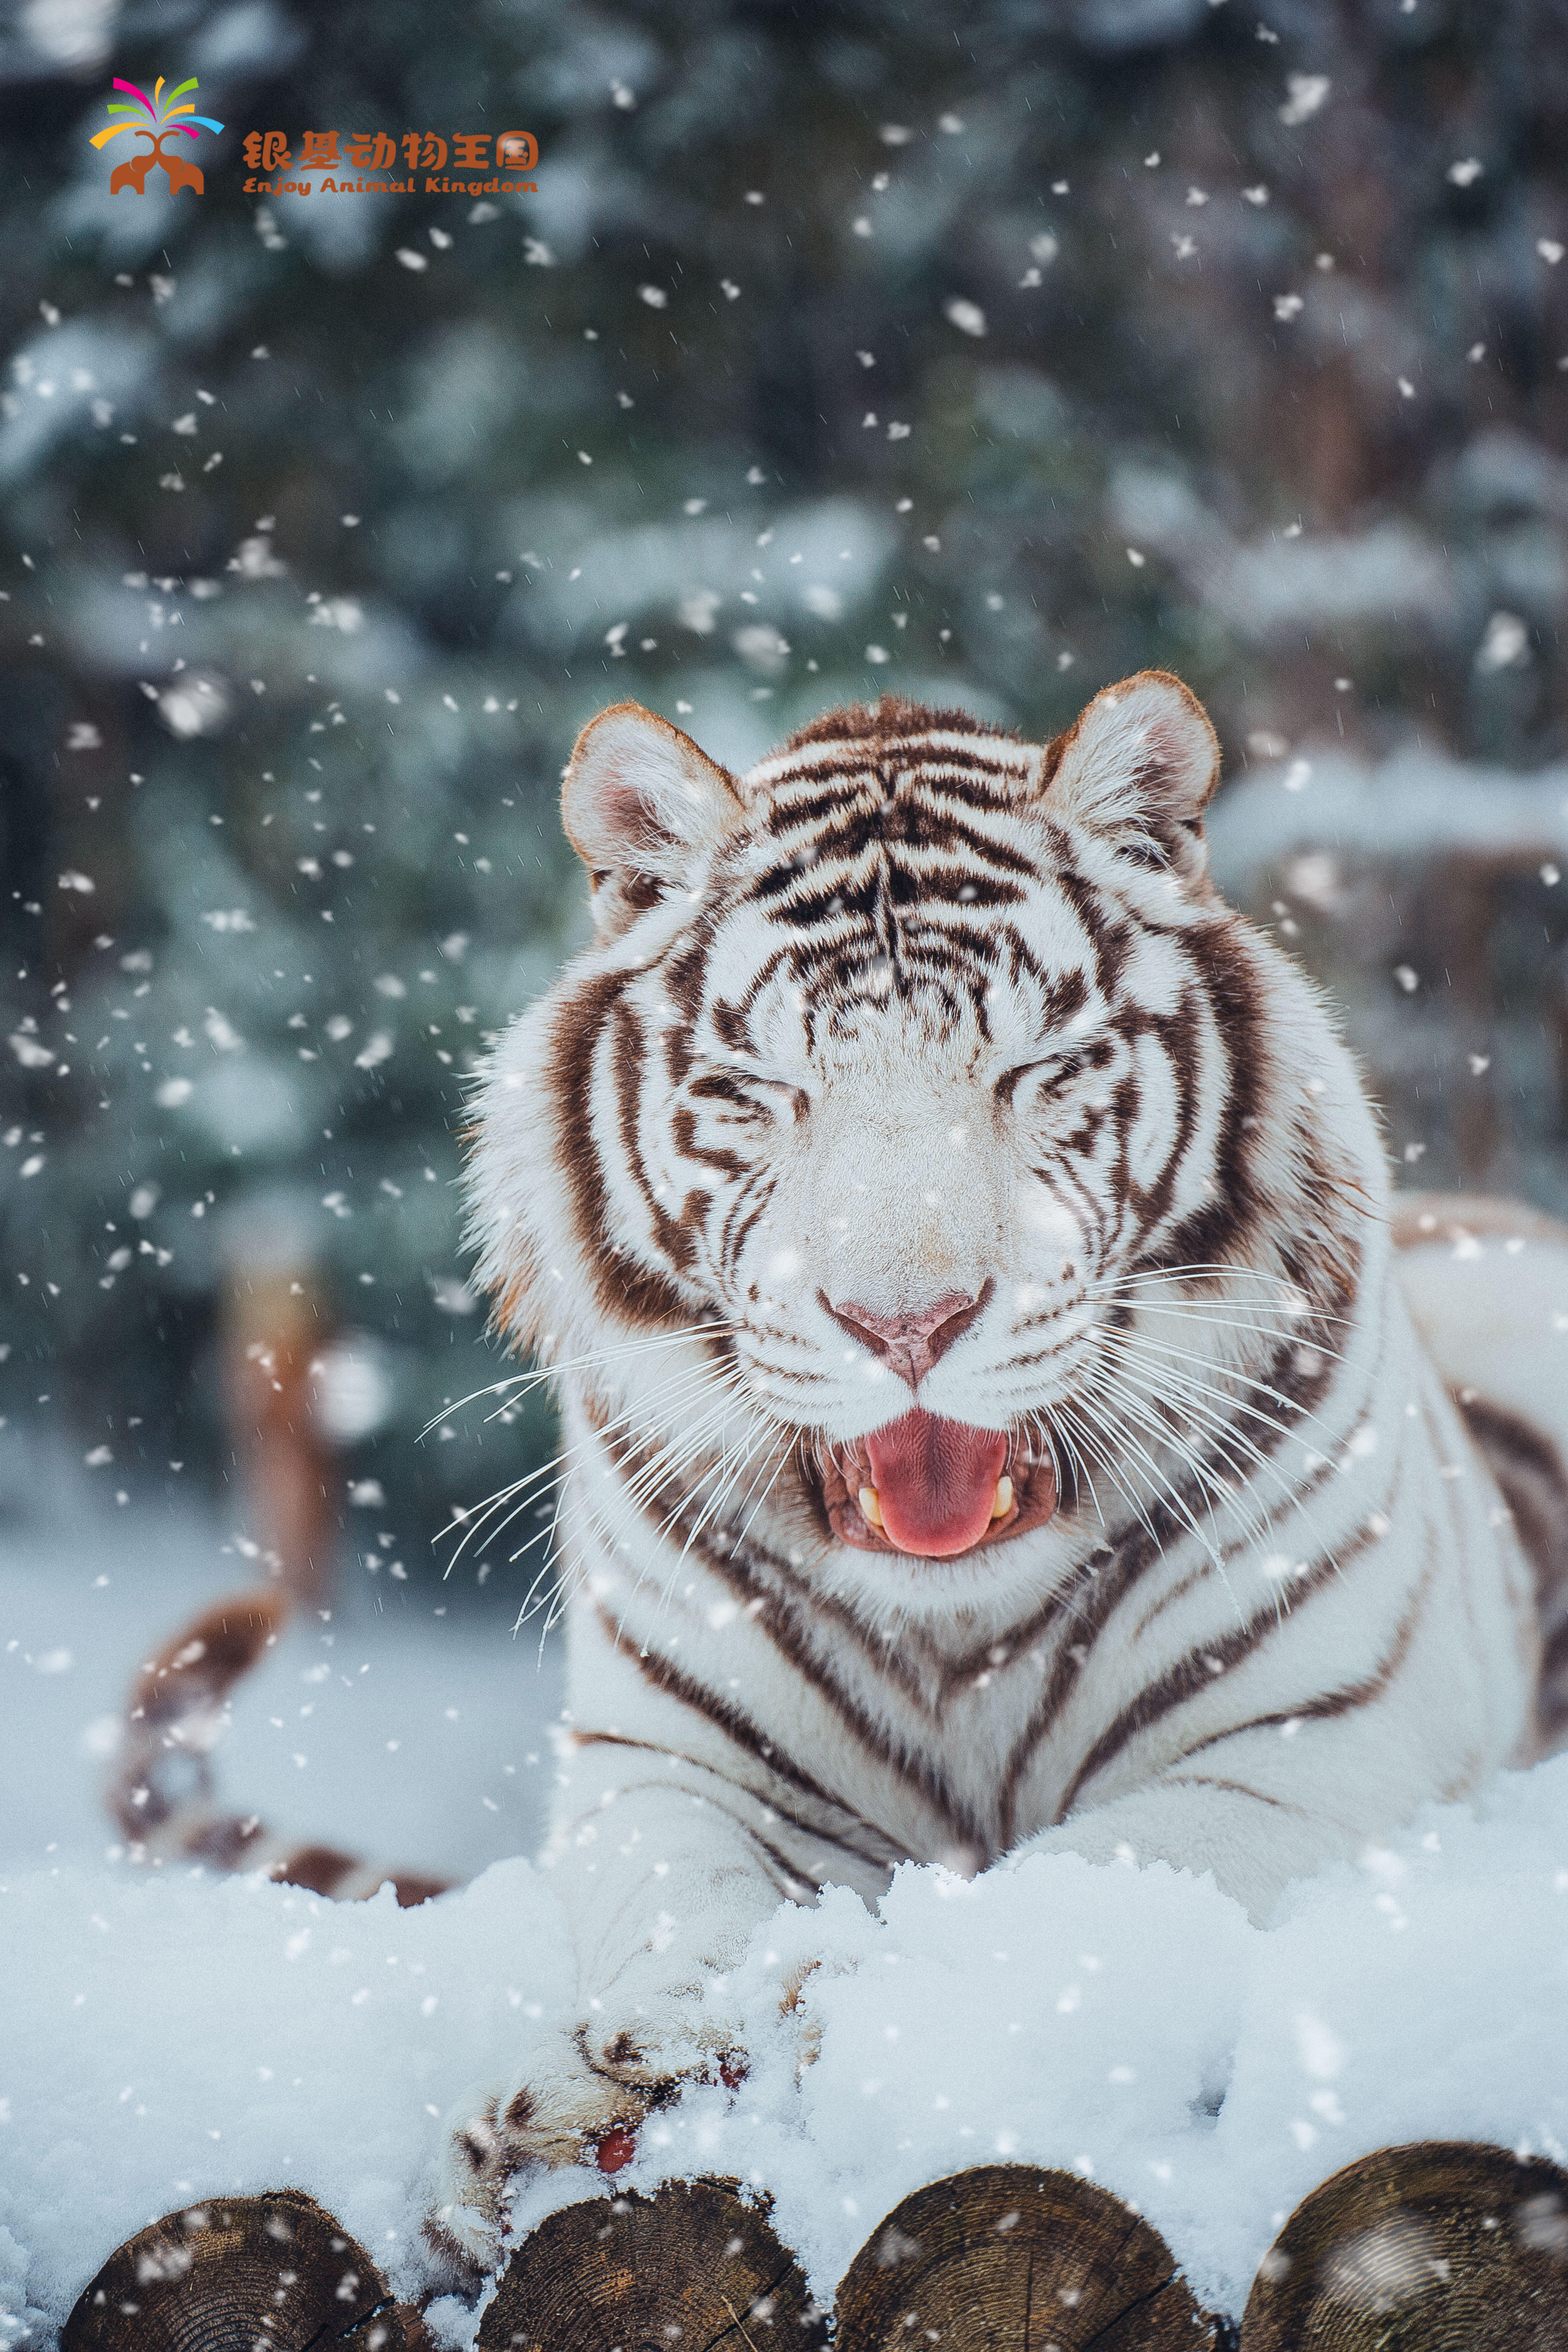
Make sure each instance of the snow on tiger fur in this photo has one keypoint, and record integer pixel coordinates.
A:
(961, 1245)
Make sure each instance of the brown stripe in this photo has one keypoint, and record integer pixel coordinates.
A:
(731, 1719)
(1231, 1788)
(190, 1676)
(1529, 1468)
(727, 1163)
(1293, 1499)
(1194, 1672)
(747, 1567)
(736, 1725)
(1177, 1036)
(1530, 1471)
(1349, 1696)
(1132, 1552)
(1218, 954)
(731, 1026)
(1136, 1549)
(734, 1566)
(412, 1888)
(321, 1868)
(881, 1851)
(223, 1843)
(628, 1055)
(684, 975)
(1087, 1615)
(626, 1291)
(750, 1204)
(1108, 934)
(893, 717)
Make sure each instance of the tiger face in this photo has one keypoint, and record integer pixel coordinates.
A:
(924, 1072)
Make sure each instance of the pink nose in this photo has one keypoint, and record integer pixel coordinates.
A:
(912, 1340)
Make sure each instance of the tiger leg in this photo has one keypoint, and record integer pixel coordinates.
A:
(1253, 1842)
(662, 1889)
(1486, 1284)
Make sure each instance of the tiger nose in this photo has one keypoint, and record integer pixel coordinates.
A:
(913, 1340)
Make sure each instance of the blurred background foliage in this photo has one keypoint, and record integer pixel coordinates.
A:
(982, 356)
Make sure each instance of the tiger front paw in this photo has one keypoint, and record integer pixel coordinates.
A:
(557, 2110)
(580, 2099)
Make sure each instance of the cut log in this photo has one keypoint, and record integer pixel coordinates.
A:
(686, 2268)
(236, 2272)
(1444, 2246)
(1007, 2259)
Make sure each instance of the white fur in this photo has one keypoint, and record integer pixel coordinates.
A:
(672, 1838)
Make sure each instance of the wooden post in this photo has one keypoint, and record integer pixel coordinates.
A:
(675, 2272)
(1456, 915)
(161, 1786)
(273, 1333)
(237, 2271)
(1442, 2244)
(1004, 2259)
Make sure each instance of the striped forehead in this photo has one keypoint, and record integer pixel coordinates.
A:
(895, 867)
(805, 786)
(888, 826)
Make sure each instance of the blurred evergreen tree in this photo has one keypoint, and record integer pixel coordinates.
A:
(980, 356)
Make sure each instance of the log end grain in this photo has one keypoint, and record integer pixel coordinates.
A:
(220, 2276)
(1008, 2259)
(1442, 2246)
(676, 2271)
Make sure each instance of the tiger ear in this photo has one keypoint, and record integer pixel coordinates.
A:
(641, 805)
(1142, 760)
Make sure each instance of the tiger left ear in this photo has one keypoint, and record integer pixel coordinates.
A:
(1142, 757)
(641, 803)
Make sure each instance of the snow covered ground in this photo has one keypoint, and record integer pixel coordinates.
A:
(408, 1727)
(164, 2038)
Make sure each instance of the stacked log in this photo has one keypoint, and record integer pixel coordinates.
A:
(236, 2272)
(1009, 2259)
(688, 2267)
(1437, 2247)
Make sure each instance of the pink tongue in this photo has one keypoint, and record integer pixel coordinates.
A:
(935, 1481)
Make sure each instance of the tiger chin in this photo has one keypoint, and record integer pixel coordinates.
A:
(994, 1424)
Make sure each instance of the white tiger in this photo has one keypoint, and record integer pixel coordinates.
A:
(962, 1246)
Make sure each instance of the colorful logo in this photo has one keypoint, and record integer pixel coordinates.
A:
(156, 120)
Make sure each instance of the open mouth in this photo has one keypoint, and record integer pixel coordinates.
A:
(933, 1488)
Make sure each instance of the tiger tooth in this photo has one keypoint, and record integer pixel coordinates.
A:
(1003, 1503)
(870, 1508)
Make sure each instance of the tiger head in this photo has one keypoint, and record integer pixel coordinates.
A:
(921, 1071)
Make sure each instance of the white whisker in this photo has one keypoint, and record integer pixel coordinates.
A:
(1124, 1411)
(543, 1373)
(479, 1518)
(1222, 1437)
(1138, 1344)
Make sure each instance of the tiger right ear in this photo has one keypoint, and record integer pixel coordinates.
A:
(1139, 764)
(641, 805)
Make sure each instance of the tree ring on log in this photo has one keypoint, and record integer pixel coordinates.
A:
(1007, 2259)
(223, 2275)
(691, 2267)
(1443, 2246)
